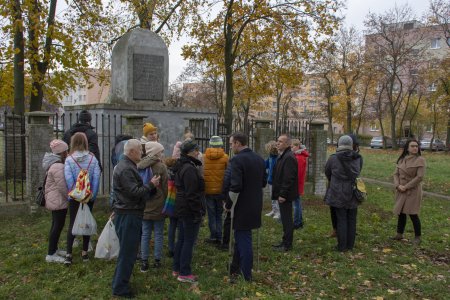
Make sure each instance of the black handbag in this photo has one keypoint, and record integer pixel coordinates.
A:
(40, 196)
(358, 186)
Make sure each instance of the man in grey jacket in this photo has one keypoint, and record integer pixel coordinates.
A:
(129, 203)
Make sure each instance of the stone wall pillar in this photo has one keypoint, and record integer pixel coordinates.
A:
(39, 133)
(133, 125)
(264, 134)
(318, 157)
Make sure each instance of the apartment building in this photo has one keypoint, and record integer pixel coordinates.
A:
(92, 91)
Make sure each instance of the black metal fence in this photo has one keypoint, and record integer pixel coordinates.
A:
(12, 161)
(107, 127)
(203, 129)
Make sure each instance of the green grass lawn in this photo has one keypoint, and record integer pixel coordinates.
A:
(380, 164)
(378, 267)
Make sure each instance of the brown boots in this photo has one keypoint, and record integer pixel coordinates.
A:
(397, 237)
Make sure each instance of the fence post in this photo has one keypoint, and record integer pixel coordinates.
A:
(39, 133)
(133, 125)
(264, 134)
(318, 156)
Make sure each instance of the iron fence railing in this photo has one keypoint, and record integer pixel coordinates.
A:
(107, 127)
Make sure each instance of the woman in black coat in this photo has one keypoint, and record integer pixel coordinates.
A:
(188, 208)
(341, 169)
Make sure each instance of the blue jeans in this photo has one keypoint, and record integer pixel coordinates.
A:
(172, 233)
(184, 248)
(147, 226)
(128, 229)
(215, 210)
(298, 218)
(243, 254)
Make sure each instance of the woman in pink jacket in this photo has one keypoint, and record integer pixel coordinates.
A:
(55, 196)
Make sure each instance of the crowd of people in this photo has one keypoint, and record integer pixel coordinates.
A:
(147, 188)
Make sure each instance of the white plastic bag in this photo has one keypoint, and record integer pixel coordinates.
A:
(108, 243)
(84, 222)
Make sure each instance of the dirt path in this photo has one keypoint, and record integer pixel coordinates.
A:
(390, 185)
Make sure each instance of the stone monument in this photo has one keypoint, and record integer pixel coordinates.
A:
(139, 69)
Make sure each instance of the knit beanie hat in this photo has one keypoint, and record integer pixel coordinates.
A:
(149, 127)
(153, 148)
(58, 146)
(345, 143)
(188, 146)
(84, 116)
(216, 141)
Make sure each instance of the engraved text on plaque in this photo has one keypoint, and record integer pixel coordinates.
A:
(148, 77)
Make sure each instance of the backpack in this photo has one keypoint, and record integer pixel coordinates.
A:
(40, 196)
(82, 191)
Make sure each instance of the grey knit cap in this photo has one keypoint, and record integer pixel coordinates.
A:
(345, 143)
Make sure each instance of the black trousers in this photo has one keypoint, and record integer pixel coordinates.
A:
(58, 221)
(288, 223)
(333, 217)
(226, 229)
(346, 228)
(402, 223)
(73, 209)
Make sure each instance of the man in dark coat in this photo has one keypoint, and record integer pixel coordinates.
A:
(285, 189)
(248, 177)
(130, 197)
(84, 125)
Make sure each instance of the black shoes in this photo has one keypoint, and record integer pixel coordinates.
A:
(281, 247)
(68, 260)
(144, 266)
(299, 226)
(223, 247)
(157, 263)
(170, 254)
(85, 257)
(128, 296)
(212, 241)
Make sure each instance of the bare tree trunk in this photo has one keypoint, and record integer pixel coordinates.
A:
(229, 60)
(19, 58)
(39, 68)
(416, 109)
(349, 114)
(380, 118)
(279, 95)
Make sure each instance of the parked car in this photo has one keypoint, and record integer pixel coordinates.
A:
(438, 145)
(377, 142)
(329, 142)
(402, 141)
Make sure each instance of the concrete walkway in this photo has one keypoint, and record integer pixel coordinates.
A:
(391, 185)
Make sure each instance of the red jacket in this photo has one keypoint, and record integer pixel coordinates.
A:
(302, 161)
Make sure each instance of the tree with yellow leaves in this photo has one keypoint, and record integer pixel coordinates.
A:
(302, 24)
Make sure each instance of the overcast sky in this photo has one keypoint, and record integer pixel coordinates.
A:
(354, 14)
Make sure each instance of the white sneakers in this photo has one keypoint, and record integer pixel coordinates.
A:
(276, 216)
(58, 257)
(54, 258)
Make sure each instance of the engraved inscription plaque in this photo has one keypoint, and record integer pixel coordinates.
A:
(148, 77)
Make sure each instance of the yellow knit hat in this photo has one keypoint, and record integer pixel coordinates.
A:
(149, 127)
